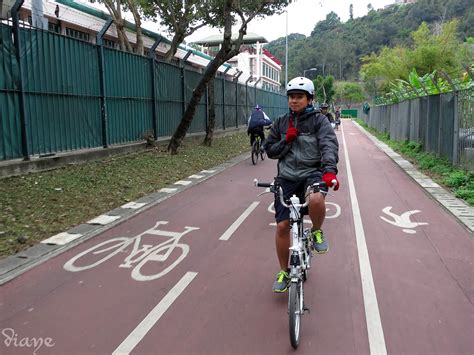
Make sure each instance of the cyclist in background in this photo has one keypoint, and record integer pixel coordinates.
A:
(257, 120)
(338, 117)
(325, 111)
(306, 147)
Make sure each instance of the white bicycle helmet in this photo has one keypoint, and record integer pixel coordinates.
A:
(300, 84)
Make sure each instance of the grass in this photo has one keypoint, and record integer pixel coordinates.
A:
(460, 182)
(36, 206)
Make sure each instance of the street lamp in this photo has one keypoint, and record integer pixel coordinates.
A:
(304, 71)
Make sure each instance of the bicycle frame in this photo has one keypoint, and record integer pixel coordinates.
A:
(298, 261)
(300, 255)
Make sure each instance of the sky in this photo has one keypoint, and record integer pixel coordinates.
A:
(302, 17)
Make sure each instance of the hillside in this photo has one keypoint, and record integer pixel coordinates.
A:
(335, 48)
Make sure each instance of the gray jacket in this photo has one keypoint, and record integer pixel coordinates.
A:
(315, 148)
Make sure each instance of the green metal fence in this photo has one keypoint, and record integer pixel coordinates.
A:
(70, 103)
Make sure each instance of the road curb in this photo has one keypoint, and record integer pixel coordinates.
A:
(15, 265)
(457, 207)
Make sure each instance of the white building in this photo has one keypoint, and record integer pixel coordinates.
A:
(256, 63)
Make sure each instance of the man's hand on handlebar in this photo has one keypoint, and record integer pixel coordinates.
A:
(331, 180)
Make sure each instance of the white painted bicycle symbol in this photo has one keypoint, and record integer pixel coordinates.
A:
(140, 256)
(333, 210)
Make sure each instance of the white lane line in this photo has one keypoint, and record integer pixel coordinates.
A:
(228, 233)
(372, 315)
(144, 327)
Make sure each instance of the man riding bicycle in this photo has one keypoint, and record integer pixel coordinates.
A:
(325, 111)
(257, 120)
(306, 147)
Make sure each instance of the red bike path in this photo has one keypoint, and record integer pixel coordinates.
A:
(218, 299)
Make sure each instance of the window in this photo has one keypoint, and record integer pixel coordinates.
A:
(54, 27)
(77, 34)
(108, 43)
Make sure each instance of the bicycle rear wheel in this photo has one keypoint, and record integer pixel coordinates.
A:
(295, 310)
(255, 151)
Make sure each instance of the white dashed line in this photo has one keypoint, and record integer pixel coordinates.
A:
(150, 320)
(228, 233)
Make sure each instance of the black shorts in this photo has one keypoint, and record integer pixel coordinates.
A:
(294, 187)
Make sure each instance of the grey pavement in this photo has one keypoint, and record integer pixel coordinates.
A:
(15, 265)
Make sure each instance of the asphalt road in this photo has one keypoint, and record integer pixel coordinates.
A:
(193, 274)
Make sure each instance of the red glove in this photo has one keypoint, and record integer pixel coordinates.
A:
(291, 133)
(328, 179)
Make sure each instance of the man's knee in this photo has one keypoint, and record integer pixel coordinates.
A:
(283, 228)
(316, 200)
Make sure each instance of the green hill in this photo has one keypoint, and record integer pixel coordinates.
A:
(335, 48)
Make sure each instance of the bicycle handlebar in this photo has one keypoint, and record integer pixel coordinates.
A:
(277, 190)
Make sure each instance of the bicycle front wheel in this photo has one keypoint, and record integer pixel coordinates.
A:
(294, 312)
(255, 151)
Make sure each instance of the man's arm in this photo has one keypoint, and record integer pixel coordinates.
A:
(328, 145)
(275, 146)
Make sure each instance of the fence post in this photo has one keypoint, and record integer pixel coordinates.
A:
(22, 99)
(183, 76)
(153, 87)
(455, 148)
(236, 80)
(223, 97)
(103, 100)
(255, 88)
(247, 93)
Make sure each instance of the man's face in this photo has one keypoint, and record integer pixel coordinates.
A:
(297, 101)
(324, 109)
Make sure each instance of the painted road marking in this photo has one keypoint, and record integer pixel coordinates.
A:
(403, 220)
(134, 205)
(228, 233)
(183, 182)
(103, 219)
(208, 171)
(61, 238)
(372, 315)
(168, 190)
(196, 176)
(146, 324)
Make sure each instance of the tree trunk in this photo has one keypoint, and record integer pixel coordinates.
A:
(224, 54)
(177, 39)
(180, 132)
(228, 50)
(138, 26)
(212, 113)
